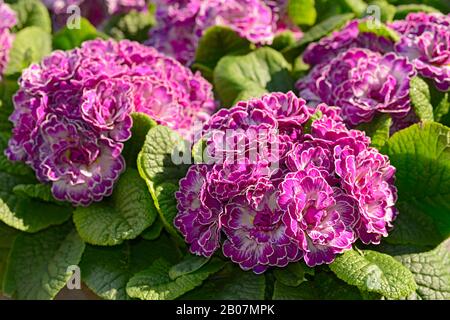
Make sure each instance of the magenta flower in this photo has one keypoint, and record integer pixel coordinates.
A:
(73, 112)
(181, 23)
(311, 191)
(7, 21)
(425, 42)
(362, 83)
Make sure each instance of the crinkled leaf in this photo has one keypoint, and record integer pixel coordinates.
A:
(107, 270)
(189, 264)
(420, 99)
(378, 129)
(218, 42)
(302, 12)
(156, 166)
(70, 38)
(133, 25)
(155, 283)
(264, 70)
(283, 40)
(154, 231)
(431, 272)
(293, 274)
(318, 31)
(38, 263)
(32, 13)
(30, 45)
(231, 283)
(323, 286)
(442, 109)
(125, 215)
(37, 191)
(421, 155)
(378, 29)
(374, 272)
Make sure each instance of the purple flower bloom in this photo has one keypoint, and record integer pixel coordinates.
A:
(72, 112)
(7, 21)
(316, 190)
(425, 42)
(361, 82)
(181, 23)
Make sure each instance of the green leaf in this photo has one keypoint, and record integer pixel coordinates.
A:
(188, 265)
(31, 13)
(123, 216)
(7, 237)
(107, 270)
(358, 7)
(230, 284)
(302, 12)
(264, 70)
(380, 30)
(374, 272)
(154, 231)
(133, 25)
(293, 274)
(155, 283)
(420, 99)
(25, 213)
(216, 43)
(386, 10)
(283, 40)
(142, 123)
(378, 129)
(30, 45)
(441, 110)
(38, 263)
(431, 272)
(7, 89)
(37, 191)
(421, 154)
(67, 39)
(324, 285)
(13, 168)
(315, 33)
(403, 10)
(161, 174)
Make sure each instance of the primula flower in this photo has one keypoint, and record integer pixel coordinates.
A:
(73, 112)
(7, 20)
(310, 193)
(181, 23)
(362, 83)
(425, 41)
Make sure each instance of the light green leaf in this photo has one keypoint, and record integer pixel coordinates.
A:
(442, 109)
(123, 216)
(142, 123)
(154, 231)
(323, 286)
(431, 272)
(154, 283)
(302, 12)
(230, 284)
(386, 10)
(358, 7)
(37, 191)
(283, 40)
(32, 13)
(188, 265)
(67, 39)
(377, 129)
(293, 274)
(133, 25)
(261, 71)
(421, 155)
(420, 99)
(107, 270)
(378, 29)
(403, 10)
(38, 263)
(315, 33)
(30, 45)
(216, 43)
(374, 272)
(156, 166)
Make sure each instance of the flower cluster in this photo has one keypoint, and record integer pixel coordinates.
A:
(73, 112)
(96, 11)
(425, 41)
(284, 182)
(7, 21)
(181, 23)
